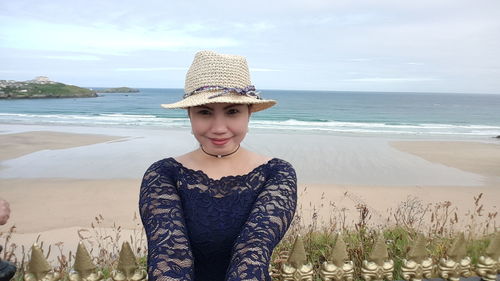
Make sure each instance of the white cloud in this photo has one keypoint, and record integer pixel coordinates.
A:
(446, 45)
(339, 20)
(10, 71)
(391, 80)
(74, 57)
(152, 69)
(173, 68)
(263, 70)
(360, 60)
(253, 26)
(40, 35)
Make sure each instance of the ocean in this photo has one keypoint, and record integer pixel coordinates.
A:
(415, 114)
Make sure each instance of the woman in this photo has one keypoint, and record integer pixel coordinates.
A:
(217, 213)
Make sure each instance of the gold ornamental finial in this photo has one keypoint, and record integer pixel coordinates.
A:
(338, 268)
(296, 267)
(127, 263)
(418, 252)
(379, 253)
(378, 267)
(493, 249)
(39, 268)
(418, 266)
(456, 264)
(339, 253)
(488, 266)
(83, 262)
(38, 265)
(458, 250)
(127, 269)
(84, 268)
(298, 255)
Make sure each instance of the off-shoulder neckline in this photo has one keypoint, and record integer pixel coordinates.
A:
(254, 170)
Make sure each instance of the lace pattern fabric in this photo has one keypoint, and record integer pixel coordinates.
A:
(200, 229)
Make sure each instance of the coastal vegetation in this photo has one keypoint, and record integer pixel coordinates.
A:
(41, 88)
(438, 223)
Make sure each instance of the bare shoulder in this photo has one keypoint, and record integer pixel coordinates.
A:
(257, 159)
(186, 159)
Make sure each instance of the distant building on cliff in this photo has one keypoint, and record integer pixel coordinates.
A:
(18, 84)
(42, 80)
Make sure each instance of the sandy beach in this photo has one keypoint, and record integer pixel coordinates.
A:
(58, 179)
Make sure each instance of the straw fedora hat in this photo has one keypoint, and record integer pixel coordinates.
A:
(219, 78)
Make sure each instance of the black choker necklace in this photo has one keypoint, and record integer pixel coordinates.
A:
(219, 155)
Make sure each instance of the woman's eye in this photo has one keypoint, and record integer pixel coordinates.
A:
(204, 112)
(232, 111)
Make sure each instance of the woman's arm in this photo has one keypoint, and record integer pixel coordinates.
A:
(169, 251)
(266, 225)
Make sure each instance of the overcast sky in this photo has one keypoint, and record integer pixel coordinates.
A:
(357, 45)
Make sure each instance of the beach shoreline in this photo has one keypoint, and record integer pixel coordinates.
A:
(59, 179)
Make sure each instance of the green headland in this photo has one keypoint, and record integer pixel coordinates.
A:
(119, 90)
(41, 87)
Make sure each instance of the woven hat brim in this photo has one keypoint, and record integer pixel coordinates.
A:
(203, 98)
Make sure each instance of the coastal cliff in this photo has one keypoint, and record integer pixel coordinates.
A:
(41, 87)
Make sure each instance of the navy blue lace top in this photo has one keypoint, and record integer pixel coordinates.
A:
(203, 229)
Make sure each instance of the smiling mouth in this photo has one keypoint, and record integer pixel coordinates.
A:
(219, 141)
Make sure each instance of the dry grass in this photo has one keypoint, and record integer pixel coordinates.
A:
(103, 243)
(439, 222)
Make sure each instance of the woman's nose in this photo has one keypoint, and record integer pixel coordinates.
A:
(219, 125)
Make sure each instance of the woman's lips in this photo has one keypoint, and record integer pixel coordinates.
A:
(219, 141)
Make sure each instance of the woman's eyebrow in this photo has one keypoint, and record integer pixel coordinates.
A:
(224, 108)
(232, 105)
(204, 107)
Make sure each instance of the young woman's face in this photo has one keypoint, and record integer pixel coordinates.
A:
(219, 127)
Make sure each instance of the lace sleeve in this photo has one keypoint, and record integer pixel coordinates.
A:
(169, 251)
(266, 225)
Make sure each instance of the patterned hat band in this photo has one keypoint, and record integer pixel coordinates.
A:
(219, 78)
(248, 91)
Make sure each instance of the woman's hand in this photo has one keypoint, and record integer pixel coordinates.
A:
(4, 211)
